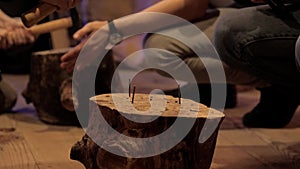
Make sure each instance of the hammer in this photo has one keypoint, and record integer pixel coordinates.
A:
(44, 9)
(72, 21)
(38, 13)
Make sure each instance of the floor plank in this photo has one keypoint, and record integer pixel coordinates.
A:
(232, 157)
(50, 144)
(14, 150)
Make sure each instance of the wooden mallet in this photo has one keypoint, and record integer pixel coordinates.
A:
(33, 16)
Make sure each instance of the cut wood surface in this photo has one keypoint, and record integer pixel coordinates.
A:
(162, 105)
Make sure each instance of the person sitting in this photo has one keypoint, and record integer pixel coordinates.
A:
(12, 33)
(17, 43)
(261, 41)
(189, 10)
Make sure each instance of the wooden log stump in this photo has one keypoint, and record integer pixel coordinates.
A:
(50, 87)
(187, 153)
(66, 97)
(45, 80)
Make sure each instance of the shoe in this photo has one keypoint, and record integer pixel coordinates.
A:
(205, 95)
(274, 110)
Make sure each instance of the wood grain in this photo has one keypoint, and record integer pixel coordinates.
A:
(14, 150)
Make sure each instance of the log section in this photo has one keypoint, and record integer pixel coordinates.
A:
(42, 90)
(50, 87)
(187, 154)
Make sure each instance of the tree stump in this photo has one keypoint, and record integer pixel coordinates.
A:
(50, 87)
(45, 80)
(187, 153)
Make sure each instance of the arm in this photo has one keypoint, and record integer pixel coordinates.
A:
(187, 9)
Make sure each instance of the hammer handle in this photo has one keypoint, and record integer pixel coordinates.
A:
(38, 13)
(51, 26)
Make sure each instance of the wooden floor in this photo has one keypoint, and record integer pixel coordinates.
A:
(27, 143)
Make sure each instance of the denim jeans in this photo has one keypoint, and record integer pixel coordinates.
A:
(261, 43)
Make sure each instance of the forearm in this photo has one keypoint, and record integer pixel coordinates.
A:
(142, 22)
(186, 9)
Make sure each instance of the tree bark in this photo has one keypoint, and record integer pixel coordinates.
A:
(45, 79)
(187, 154)
(50, 87)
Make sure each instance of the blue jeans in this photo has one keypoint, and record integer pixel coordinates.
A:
(257, 41)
